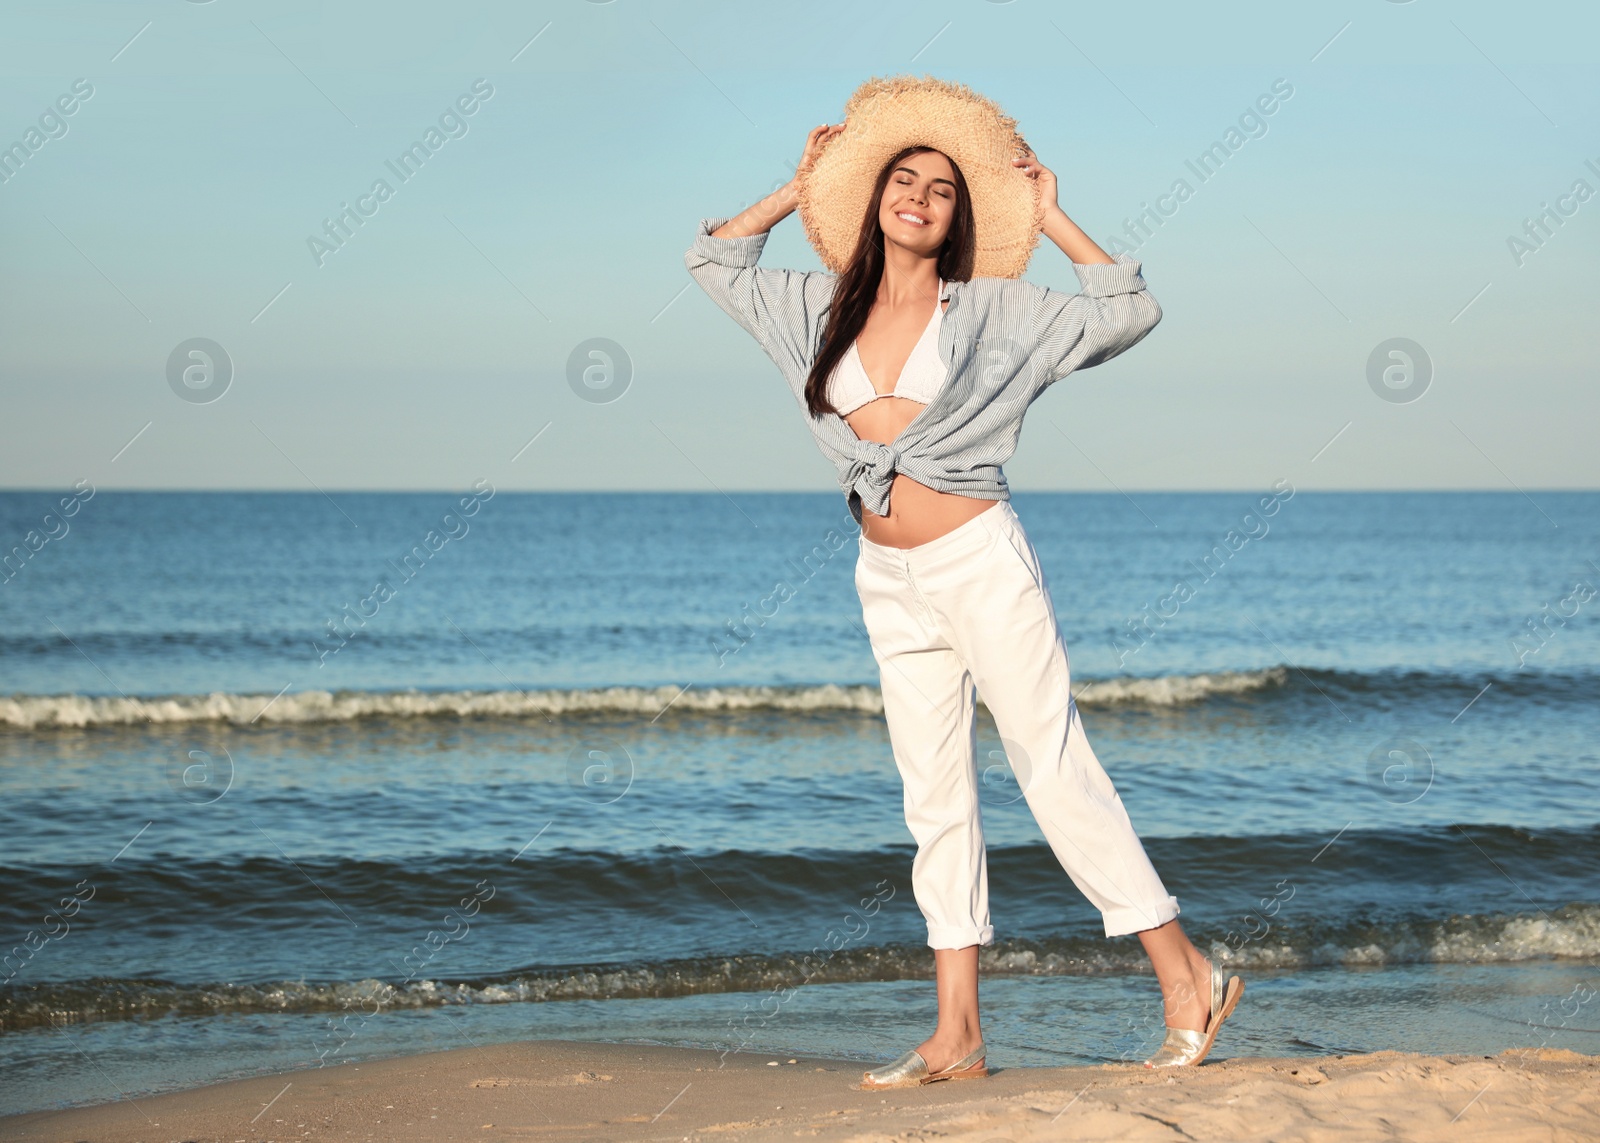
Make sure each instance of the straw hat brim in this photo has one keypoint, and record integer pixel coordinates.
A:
(884, 116)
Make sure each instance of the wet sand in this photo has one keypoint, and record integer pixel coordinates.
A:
(562, 1090)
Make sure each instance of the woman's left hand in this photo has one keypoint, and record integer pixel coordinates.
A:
(1034, 169)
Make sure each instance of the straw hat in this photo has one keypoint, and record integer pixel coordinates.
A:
(886, 115)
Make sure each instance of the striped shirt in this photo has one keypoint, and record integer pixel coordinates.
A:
(1003, 341)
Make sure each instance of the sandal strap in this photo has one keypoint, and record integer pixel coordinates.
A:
(908, 1067)
(1180, 1047)
(1187, 1037)
(966, 1062)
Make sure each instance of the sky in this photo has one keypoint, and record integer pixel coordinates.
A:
(208, 142)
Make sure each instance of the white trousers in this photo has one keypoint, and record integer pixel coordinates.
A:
(971, 610)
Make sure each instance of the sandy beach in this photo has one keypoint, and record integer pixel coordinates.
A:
(566, 1090)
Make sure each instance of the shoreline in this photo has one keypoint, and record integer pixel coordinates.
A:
(562, 1089)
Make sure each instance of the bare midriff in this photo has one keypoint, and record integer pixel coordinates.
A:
(917, 513)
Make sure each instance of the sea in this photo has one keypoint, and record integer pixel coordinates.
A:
(289, 780)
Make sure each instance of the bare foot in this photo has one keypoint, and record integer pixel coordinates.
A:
(1190, 1006)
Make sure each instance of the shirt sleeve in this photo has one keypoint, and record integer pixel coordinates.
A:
(779, 308)
(1111, 313)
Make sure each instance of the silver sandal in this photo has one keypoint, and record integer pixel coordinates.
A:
(1186, 1047)
(911, 1070)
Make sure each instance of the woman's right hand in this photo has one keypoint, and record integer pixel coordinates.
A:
(818, 137)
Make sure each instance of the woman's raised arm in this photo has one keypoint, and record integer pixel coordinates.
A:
(1110, 314)
(1079, 248)
(764, 215)
(781, 308)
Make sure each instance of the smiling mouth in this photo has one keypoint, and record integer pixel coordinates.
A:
(912, 219)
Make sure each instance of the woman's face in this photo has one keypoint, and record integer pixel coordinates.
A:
(919, 203)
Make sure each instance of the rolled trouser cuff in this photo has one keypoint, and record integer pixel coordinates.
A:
(1121, 922)
(959, 936)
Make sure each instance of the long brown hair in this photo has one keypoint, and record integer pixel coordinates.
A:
(857, 287)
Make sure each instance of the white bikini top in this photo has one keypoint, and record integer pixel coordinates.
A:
(924, 374)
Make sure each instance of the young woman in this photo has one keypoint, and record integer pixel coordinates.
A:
(914, 373)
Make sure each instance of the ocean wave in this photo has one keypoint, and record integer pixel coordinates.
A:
(1569, 933)
(1176, 690)
(44, 712)
(1216, 876)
